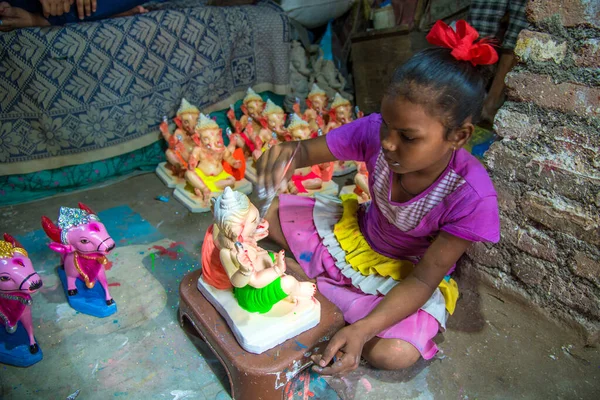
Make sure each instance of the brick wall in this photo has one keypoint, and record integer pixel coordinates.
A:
(547, 168)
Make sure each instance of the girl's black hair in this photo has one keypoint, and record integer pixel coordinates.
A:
(446, 86)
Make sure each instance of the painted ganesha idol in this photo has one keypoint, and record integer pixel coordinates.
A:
(248, 285)
(18, 281)
(83, 244)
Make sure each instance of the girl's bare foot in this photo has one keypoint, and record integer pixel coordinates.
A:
(134, 11)
(14, 18)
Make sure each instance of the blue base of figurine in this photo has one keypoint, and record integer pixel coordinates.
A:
(14, 348)
(87, 301)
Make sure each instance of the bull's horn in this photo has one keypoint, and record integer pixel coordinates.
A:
(51, 230)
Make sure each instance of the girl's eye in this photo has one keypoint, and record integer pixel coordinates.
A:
(408, 139)
(84, 241)
(4, 278)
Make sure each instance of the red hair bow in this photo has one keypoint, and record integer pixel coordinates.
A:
(462, 43)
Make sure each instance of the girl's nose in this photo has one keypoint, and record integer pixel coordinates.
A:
(388, 144)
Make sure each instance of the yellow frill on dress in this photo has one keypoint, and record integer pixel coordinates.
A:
(367, 261)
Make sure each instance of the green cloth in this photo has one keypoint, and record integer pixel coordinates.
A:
(260, 300)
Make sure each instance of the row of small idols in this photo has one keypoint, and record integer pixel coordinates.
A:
(199, 165)
(83, 243)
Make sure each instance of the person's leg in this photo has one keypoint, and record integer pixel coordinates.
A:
(517, 21)
(495, 97)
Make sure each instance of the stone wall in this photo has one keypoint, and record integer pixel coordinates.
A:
(546, 168)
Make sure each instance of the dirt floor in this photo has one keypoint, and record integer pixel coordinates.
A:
(494, 348)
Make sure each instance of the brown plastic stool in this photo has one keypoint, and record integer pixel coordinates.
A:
(255, 376)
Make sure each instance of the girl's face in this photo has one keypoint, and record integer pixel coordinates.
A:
(412, 140)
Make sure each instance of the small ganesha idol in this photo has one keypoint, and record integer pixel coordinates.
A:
(310, 180)
(249, 286)
(273, 131)
(18, 281)
(83, 244)
(181, 144)
(340, 114)
(248, 126)
(361, 184)
(212, 167)
(317, 112)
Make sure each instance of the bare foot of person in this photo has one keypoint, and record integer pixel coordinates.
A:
(14, 18)
(134, 11)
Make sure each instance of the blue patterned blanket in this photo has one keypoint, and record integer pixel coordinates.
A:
(85, 92)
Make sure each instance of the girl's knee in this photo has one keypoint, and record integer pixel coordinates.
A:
(391, 354)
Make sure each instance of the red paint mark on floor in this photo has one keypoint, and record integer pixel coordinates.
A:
(108, 265)
(167, 251)
(114, 284)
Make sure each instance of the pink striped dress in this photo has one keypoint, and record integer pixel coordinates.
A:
(462, 202)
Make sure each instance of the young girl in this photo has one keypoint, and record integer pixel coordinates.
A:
(385, 264)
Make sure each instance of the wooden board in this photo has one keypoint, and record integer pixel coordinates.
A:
(375, 56)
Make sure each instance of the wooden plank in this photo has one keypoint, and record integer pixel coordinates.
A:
(374, 62)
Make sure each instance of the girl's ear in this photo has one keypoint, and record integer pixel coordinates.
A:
(461, 135)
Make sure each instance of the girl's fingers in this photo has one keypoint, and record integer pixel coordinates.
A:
(67, 5)
(94, 3)
(334, 345)
(88, 8)
(260, 173)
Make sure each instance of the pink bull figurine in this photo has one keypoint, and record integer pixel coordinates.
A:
(18, 281)
(83, 243)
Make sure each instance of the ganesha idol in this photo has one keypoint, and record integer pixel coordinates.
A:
(316, 113)
(18, 281)
(310, 180)
(245, 129)
(247, 284)
(83, 243)
(340, 114)
(181, 144)
(361, 184)
(212, 167)
(272, 131)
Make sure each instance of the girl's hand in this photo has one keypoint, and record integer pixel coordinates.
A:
(85, 8)
(270, 167)
(344, 349)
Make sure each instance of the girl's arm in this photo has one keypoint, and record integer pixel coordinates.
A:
(402, 301)
(270, 166)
